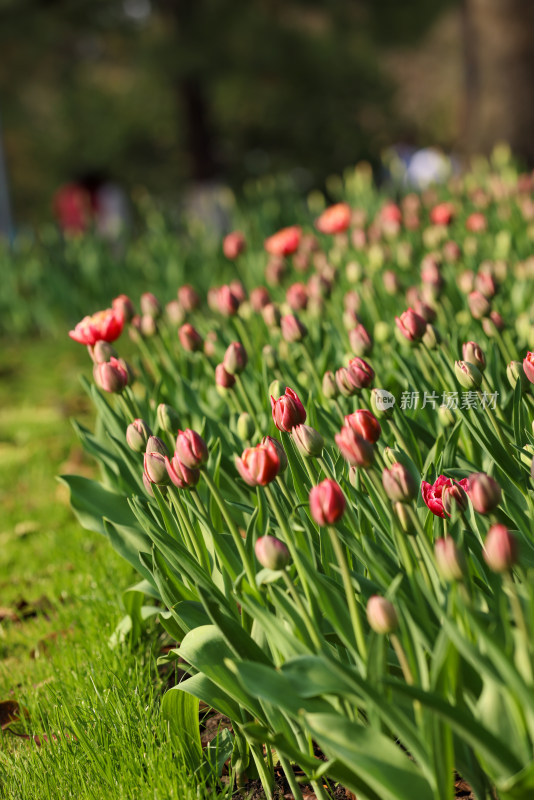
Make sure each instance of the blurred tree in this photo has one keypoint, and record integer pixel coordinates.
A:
(499, 50)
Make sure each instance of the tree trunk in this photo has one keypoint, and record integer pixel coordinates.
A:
(499, 57)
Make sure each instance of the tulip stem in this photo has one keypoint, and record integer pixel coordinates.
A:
(290, 775)
(519, 619)
(403, 661)
(305, 616)
(176, 502)
(236, 536)
(349, 593)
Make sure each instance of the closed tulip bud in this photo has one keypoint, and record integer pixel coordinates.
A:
(361, 372)
(354, 448)
(271, 553)
(484, 492)
(227, 301)
(492, 324)
(327, 502)
(297, 297)
(404, 519)
(137, 435)
(500, 549)
(167, 418)
(124, 306)
(365, 424)
(281, 453)
(450, 560)
(411, 325)
(329, 386)
(474, 354)
(245, 426)
(234, 244)
(148, 326)
(446, 416)
(102, 351)
(150, 306)
(293, 330)
(259, 298)
(181, 476)
(528, 366)
(111, 376)
(271, 315)
(478, 304)
(514, 373)
(223, 379)
(287, 411)
(188, 297)
(308, 441)
(425, 311)
(190, 338)
(155, 469)
(381, 615)
(485, 284)
(468, 375)
(345, 382)
(191, 449)
(399, 484)
(382, 403)
(259, 465)
(360, 341)
(156, 445)
(454, 497)
(175, 313)
(431, 338)
(235, 359)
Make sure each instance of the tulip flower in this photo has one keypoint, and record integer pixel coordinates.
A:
(104, 326)
(227, 301)
(381, 615)
(259, 465)
(137, 435)
(399, 484)
(234, 244)
(181, 476)
(484, 492)
(474, 354)
(282, 457)
(308, 441)
(190, 338)
(364, 423)
(500, 549)
(188, 297)
(354, 448)
(528, 366)
(433, 494)
(327, 502)
(411, 325)
(284, 242)
(191, 449)
(293, 330)
(271, 553)
(287, 411)
(150, 305)
(111, 376)
(235, 359)
(335, 219)
(297, 297)
(123, 305)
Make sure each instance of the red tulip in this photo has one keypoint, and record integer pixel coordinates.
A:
(284, 242)
(287, 411)
(259, 465)
(433, 494)
(411, 325)
(234, 244)
(365, 424)
(335, 219)
(191, 449)
(104, 326)
(327, 502)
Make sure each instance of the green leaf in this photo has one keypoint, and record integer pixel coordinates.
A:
(180, 709)
(91, 502)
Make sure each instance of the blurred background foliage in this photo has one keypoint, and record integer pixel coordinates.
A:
(165, 94)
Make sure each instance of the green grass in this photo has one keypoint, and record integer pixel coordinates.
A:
(102, 704)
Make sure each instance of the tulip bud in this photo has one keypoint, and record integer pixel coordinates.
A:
(271, 315)
(474, 354)
(446, 416)
(500, 549)
(431, 337)
(259, 465)
(154, 468)
(111, 376)
(478, 304)
(354, 448)
(156, 445)
(227, 301)
(124, 306)
(528, 366)
(293, 330)
(281, 453)
(360, 341)
(484, 492)
(492, 324)
(150, 306)
(411, 325)
(137, 435)
(102, 351)
(382, 403)
(287, 411)
(381, 615)
(181, 476)
(245, 426)
(175, 313)
(190, 338)
(308, 441)
(362, 374)
(191, 449)
(234, 244)
(454, 496)
(514, 373)
(327, 502)
(148, 326)
(188, 297)
(365, 424)
(269, 356)
(235, 359)
(468, 375)
(450, 560)
(259, 298)
(399, 484)
(271, 553)
(167, 418)
(223, 379)
(329, 386)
